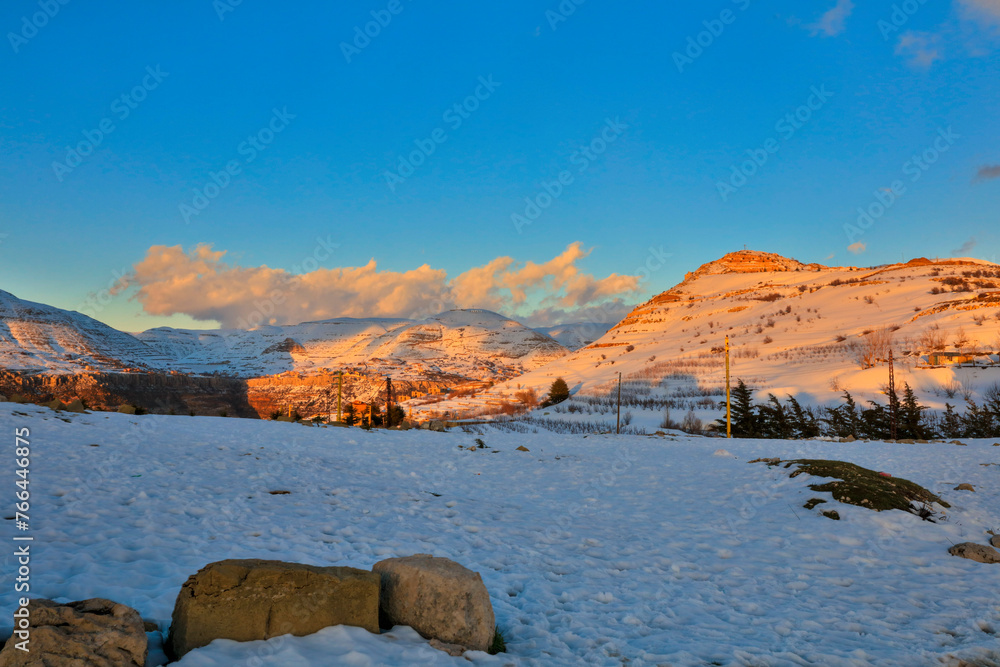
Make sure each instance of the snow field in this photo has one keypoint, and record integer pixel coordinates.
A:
(595, 549)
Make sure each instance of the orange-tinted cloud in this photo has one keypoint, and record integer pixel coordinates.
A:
(201, 284)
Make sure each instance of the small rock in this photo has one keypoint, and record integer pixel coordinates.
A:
(126, 409)
(977, 552)
(831, 514)
(958, 442)
(89, 633)
(76, 405)
(438, 598)
(3, 399)
(453, 650)
(965, 487)
(150, 626)
(995, 541)
(522, 448)
(907, 441)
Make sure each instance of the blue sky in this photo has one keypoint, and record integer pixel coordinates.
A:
(311, 134)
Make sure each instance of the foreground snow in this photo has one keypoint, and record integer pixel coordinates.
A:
(596, 550)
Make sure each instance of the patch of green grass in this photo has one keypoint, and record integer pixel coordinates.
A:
(859, 486)
(499, 644)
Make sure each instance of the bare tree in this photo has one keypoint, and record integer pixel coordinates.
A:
(961, 340)
(933, 340)
(873, 347)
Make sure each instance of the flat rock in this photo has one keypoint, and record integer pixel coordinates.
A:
(965, 487)
(977, 552)
(453, 650)
(522, 448)
(995, 541)
(89, 633)
(438, 598)
(246, 600)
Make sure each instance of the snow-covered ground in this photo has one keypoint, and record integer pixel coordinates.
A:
(596, 550)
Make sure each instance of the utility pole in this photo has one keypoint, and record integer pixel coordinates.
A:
(618, 423)
(729, 421)
(340, 392)
(388, 402)
(892, 398)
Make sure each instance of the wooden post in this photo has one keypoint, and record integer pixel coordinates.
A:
(618, 423)
(340, 392)
(388, 402)
(729, 421)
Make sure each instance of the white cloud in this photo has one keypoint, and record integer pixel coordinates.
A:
(987, 11)
(199, 283)
(834, 21)
(920, 48)
(857, 248)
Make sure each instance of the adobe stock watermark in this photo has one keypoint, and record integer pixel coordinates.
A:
(582, 158)
(96, 302)
(786, 127)
(562, 12)
(248, 149)
(885, 198)
(223, 7)
(30, 25)
(363, 36)
(454, 117)
(121, 108)
(714, 28)
(901, 14)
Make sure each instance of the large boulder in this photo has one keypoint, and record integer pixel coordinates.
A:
(438, 598)
(977, 552)
(89, 633)
(245, 600)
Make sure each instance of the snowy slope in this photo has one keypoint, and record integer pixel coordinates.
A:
(470, 343)
(37, 337)
(609, 551)
(792, 328)
(576, 335)
(474, 344)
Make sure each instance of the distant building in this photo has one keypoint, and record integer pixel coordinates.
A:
(958, 359)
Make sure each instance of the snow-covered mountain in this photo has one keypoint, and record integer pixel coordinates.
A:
(472, 344)
(34, 336)
(798, 329)
(576, 335)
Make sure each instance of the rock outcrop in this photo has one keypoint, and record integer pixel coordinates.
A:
(438, 598)
(89, 633)
(246, 600)
(158, 393)
(977, 552)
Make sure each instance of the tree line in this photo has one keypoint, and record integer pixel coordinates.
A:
(789, 420)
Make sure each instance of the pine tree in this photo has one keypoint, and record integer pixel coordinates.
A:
(744, 418)
(875, 422)
(843, 420)
(774, 421)
(977, 422)
(349, 416)
(803, 422)
(911, 417)
(951, 423)
(558, 392)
